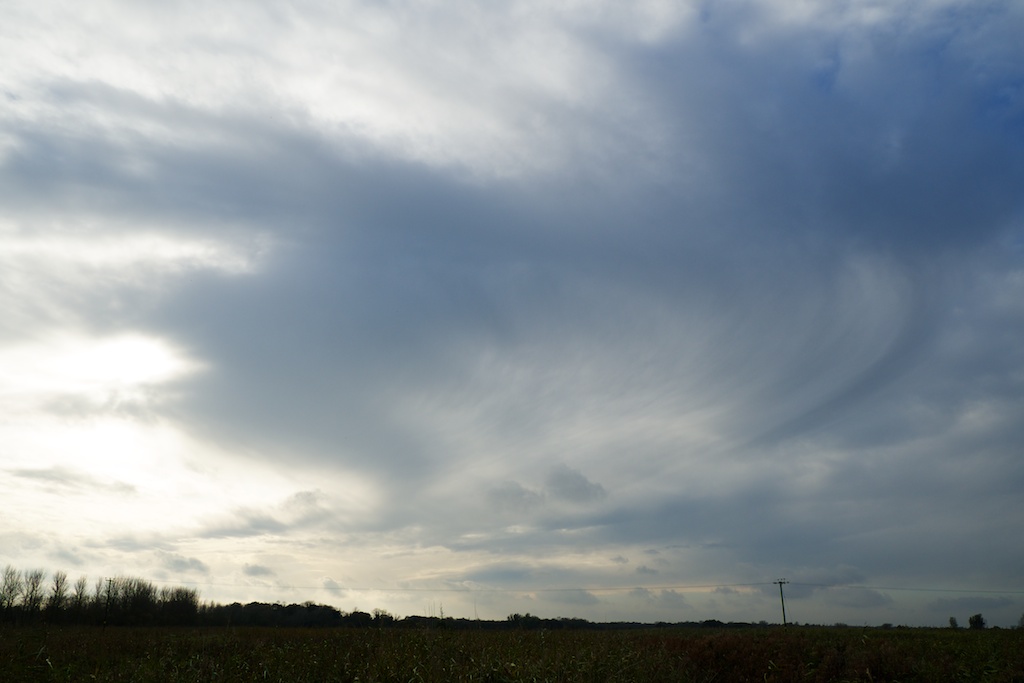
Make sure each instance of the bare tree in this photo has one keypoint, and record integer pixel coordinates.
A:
(80, 595)
(58, 591)
(10, 588)
(139, 599)
(179, 605)
(32, 593)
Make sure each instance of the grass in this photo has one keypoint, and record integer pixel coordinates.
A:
(758, 654)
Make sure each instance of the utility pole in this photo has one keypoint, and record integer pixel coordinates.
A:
(106, 608)
(782, 598)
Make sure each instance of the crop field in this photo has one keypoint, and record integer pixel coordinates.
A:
(39, 653)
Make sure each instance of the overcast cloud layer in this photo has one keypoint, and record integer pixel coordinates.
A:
(571, 308)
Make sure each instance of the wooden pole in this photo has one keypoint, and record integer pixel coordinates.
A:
(783, 599)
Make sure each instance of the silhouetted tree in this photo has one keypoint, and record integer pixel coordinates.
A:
(953, 623)
(976, 621)
(179, 606)
(136, 600)
(357, 619)
(79, 598)
(524, 621)
(57, 601)
(32, 593)
(10, 590)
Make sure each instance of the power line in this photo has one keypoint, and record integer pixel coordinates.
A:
(594, 589)
(478, 589)
(912, 589)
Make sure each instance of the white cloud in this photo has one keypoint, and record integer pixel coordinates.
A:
(45, 247)
(98, 370)
(489, 89)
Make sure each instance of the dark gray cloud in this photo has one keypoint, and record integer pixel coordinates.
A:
(967, 604)
(859, 598)
(825, 136)
(568, 484)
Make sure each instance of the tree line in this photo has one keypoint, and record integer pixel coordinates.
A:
(28, 597)
(31, 597)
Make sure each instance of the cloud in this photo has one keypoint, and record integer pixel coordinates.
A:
(182, 565)
(967, 604)
(861, 598)
(661, 599)
(246, 523)
(301, 510)
(63, 478)
(462, 287)
(573, 597)
(564, 483)
(257, 570)
(530, 81)
(513, 497)
(671, 599)
(67, 556)
(133, 543)
(504, 573)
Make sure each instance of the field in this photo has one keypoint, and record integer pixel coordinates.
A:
(40, 653)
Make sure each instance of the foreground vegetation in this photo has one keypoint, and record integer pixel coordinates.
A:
(76, 653)
(127, 629)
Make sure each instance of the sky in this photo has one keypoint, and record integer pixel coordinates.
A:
(620, 311)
